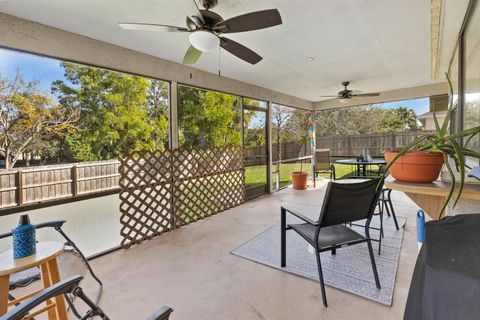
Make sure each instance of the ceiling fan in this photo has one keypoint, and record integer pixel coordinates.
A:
(349, 94)
(206, 30)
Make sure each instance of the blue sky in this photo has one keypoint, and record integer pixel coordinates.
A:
(47, 70)
(31, 67)
(418, 105)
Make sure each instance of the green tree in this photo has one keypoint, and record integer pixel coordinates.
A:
(348, 121)
(27, 116)
(120, 113)
(208, 118)
(280, 117)
(365, 120)
(398, 120)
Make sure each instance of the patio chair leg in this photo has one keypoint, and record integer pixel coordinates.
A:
(390, 204)
(388, 211)
(320, 277)
(381, 222)
(380, 236)
(283, 237)
(374, 266)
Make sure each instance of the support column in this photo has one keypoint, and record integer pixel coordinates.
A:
(173, 119)
(269, 145)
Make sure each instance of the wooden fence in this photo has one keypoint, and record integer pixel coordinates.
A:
(36, 184)
(30, 185)
(348, 146)
(340, 146)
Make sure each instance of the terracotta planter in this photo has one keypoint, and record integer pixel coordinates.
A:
(415, 166)
(299, 180)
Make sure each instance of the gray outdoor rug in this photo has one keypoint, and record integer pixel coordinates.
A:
(349, 270)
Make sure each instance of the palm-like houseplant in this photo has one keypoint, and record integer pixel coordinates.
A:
(446, 144)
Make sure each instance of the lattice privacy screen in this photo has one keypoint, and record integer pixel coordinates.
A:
(164, 190)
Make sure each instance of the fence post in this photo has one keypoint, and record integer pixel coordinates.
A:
(74, 180)
(19, 187)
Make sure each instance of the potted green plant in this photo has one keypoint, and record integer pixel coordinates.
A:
(422, 159)
(299, 178)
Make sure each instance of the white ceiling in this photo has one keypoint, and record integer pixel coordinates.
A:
(378, 45)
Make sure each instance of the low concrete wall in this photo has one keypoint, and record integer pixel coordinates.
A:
(94, 225)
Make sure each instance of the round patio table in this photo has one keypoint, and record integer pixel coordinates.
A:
(361, 164)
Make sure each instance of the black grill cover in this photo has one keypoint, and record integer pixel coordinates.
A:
(446, 280)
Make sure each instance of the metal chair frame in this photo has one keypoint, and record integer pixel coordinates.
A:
(321, 224)
(70, 287)
(57, 225)
(331, 167)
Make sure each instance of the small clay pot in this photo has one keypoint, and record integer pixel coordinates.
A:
(299, 180)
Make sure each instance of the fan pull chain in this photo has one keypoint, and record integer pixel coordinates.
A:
(219, 72)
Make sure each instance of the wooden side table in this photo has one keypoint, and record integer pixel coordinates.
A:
(431, 196)
(46, 259)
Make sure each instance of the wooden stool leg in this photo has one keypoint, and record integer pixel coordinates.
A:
(4, 288)
(59, 300)
(47, 282)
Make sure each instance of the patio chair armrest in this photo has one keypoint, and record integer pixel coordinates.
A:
(302, 217)
(163, 313)
(62, 287)
(6, 235)
(51, 224)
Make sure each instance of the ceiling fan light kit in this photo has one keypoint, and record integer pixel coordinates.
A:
(204, 40)
(207, 28)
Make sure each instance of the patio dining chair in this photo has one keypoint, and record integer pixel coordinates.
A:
(323, 163)
(343, 203)
(385, 200)
(384, 204)
(70, 287)
(71, 262)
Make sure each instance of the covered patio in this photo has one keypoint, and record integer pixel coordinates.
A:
(174, 163)
(191, 267)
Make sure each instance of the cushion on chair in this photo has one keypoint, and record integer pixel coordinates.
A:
(22, 278)
(329, 236)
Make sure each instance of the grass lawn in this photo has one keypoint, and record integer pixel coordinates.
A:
(257, 175)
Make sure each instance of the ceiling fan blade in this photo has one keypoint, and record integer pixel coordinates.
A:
(190, 8)
(373, 94)
(192, 55)
(328, 96)
(240, 50)
(250, 21)
(151, 27)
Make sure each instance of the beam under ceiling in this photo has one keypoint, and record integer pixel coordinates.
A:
(28, 36)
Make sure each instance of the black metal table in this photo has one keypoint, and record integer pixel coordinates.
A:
(361, 165)
(446, 281)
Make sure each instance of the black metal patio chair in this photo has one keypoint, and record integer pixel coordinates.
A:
(385, 204)
(386, 200)
(71, 262)
(323, 163)
(70, 287)
(343, 203)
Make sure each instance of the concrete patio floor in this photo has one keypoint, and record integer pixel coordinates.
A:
(192, 271)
